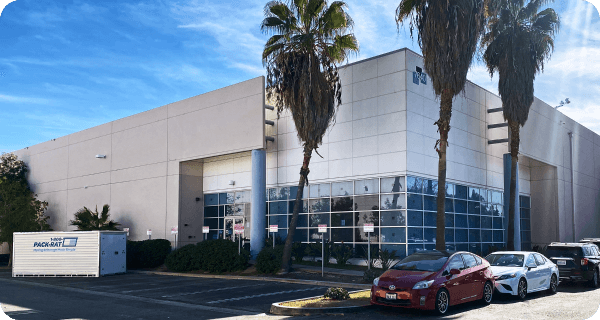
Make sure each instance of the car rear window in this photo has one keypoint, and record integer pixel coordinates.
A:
(566, 252)
(421, 262)
(506, 260)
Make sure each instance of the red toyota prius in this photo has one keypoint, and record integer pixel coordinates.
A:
(434, 280)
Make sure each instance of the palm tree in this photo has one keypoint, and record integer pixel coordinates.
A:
(448, 33)
(87, 220)
(519, 38)
(308, 39)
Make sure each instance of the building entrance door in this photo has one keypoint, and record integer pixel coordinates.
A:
(230, 222)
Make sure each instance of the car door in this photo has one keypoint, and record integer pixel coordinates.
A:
(532, 275)
(455, 282)
(544, 270)
(473, 284)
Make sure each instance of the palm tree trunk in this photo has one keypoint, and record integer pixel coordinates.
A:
(443, 128)
(287, 249)
(514, 154)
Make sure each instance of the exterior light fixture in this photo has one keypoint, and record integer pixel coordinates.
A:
(231, 182)
(563, 103)
(101, 156)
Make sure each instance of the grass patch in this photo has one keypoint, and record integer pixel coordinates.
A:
(361, 298)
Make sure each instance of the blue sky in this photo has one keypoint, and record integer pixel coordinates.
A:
(69, 65)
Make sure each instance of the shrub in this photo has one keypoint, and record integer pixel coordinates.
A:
(298, 251)
(337, 294)
(342, 253)
(186, 258)
(386, 258)
(147, 253)
(540, 249)
(269, 259)
(371, 274)
(217, 256)
(313, 250)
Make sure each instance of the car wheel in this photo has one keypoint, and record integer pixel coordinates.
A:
(488, 291)
(553, 284)
(442, 301)
(594, 281)
(522, 289)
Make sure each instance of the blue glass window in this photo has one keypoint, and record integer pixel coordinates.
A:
(475, 248)
(279, 193)
(280, 220)
(460, 192)
(211, 212)
(226, 198)
(498, 210)
(462, 247)
(317, 219)
(525, 225)
(486, 235)
(211, 223)
(474, 194)
(361, 236)
(412, 248)
(449, 234)
(278, 207)
(415, 218)
(525, 213)
(360, 218)
(429, 246)
(460, 206)
(525, 202)
(341, 235)
(430, 203)
(341, 204)
(397, 235)
(429, 234)
(415, 201)
(449, 220)
(430, 187)
(341, 219)
(449, 205)
(461, 235)
(301, 235)
(393, 201)
(430, 219)
(474, 236)
(474, 222)
(486, 222)
(474, 208)
(389, 185)
(496, 197)
(415, 235)
(449, 190)
(399, 248)
(319, 205)
(211, 199)
(526, 236)
(302, 221)
(393, 218)
(498, 235)
(460, 221)
(303, 208)
(345, 188)
(498, 223)
(486, 209)
(364, 203)
(414, 184)
(294, 192)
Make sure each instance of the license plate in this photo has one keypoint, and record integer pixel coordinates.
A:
(390, 296)
(561, 262)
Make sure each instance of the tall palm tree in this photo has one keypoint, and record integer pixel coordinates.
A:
(308, 39)
(88, 220)
(448, 33)
(519, 38)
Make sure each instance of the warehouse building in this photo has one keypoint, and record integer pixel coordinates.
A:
(224, 158)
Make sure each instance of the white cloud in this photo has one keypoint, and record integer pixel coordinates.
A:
(16, 99)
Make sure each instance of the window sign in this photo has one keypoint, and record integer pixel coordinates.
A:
(369, 227)
(174, 230)
(273, 228)
(205, 229)
(149, 232)
(322, 228)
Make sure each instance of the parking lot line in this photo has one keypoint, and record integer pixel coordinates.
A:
(211, 290)
(265, 294)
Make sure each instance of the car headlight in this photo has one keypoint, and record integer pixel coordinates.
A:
(423, 285)
(376, 282)
(507, 276)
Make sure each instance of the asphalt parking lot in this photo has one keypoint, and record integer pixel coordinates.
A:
(144, 296)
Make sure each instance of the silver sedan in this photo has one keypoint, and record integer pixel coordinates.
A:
(521, 272)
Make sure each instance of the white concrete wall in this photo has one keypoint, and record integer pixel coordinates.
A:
(218, 171)
(369, 135)
(141, 175)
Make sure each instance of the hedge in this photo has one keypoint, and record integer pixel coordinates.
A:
(269, 259)
(147, 253)
(214, 256)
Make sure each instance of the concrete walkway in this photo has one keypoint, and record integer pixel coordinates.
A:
(313, 269)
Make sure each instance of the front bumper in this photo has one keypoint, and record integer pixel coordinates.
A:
(405, 298)
(509, 286)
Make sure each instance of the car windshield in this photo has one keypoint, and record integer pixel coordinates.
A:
(569, 252)
(506, 260)
(421, 262)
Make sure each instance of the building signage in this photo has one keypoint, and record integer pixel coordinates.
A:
(174, 230)
(56, 244)
(369, 227)
(205, 229)
(126, 230)
(149, 232)
(274, 228)
(322, 228)
(238, 229)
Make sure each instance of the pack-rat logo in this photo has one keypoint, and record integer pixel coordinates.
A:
(56, 242)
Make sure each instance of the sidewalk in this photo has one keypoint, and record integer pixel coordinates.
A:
(313, 269)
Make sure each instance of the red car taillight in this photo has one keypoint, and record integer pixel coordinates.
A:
(584, 261)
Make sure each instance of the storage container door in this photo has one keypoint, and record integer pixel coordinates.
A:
(112, 253)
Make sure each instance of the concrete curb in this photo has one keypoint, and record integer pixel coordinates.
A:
(297, 281)
(278, 309)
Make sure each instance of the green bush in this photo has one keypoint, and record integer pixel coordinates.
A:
(387, 258)
(371, 274)
(298, 251)
(221, 255)
(269, 259)
(342, 253)
(337, 294)
(147, 253)
(186, 258)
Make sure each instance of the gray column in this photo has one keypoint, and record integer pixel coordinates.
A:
(259, 201)
(507, 168)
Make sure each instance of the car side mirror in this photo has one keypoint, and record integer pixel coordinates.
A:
(454, 271)
(531, 266)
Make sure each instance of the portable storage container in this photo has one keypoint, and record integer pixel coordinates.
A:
(69, 253)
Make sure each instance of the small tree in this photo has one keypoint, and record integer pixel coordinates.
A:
(87, 220)
(20, 211)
